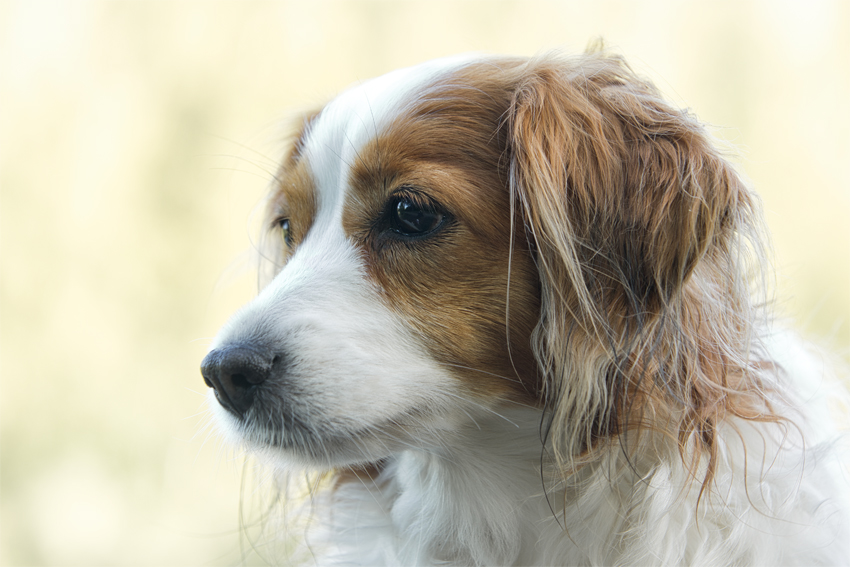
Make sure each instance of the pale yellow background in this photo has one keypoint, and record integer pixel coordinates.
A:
(136, 138)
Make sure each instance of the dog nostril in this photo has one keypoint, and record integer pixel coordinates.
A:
(234, 372)
(240, 381)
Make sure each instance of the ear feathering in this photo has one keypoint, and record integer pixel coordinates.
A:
(641, 231)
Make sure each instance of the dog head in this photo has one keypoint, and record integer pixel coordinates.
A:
(479, 232)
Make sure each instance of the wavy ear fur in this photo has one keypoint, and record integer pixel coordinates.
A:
(641, 231)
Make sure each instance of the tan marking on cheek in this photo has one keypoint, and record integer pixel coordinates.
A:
(452, 286)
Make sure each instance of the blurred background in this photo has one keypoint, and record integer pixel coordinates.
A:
(137, 139)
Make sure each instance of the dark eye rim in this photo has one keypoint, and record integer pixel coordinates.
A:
(423, 201)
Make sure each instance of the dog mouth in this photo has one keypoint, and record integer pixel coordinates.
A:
(273, 427)
(291, 426)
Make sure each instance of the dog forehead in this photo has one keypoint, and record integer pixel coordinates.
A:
(360, 114)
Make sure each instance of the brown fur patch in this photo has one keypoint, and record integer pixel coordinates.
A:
(453, 286)
(293, 198)
(641, 229)
(365, 474)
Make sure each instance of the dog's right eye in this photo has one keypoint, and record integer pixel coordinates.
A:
(412, 215)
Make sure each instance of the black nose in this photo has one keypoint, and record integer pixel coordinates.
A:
(234, 372)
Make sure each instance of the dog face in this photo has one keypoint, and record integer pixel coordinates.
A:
(474, 233)
(406, 294)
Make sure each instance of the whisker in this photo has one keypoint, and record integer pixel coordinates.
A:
(478, 370)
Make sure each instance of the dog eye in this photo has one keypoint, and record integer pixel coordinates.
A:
(409, 217)
(285, 232)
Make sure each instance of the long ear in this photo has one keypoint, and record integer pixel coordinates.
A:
(635, 219)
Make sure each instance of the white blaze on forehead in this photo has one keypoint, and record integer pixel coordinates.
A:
(354, 118)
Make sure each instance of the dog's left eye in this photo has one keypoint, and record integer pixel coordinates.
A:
(410, 216)
(285, 232)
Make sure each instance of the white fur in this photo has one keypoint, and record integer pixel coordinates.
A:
(481, 502)
(464, 484)
(323, 298)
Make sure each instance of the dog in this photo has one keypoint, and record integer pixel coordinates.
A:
(513, 311)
